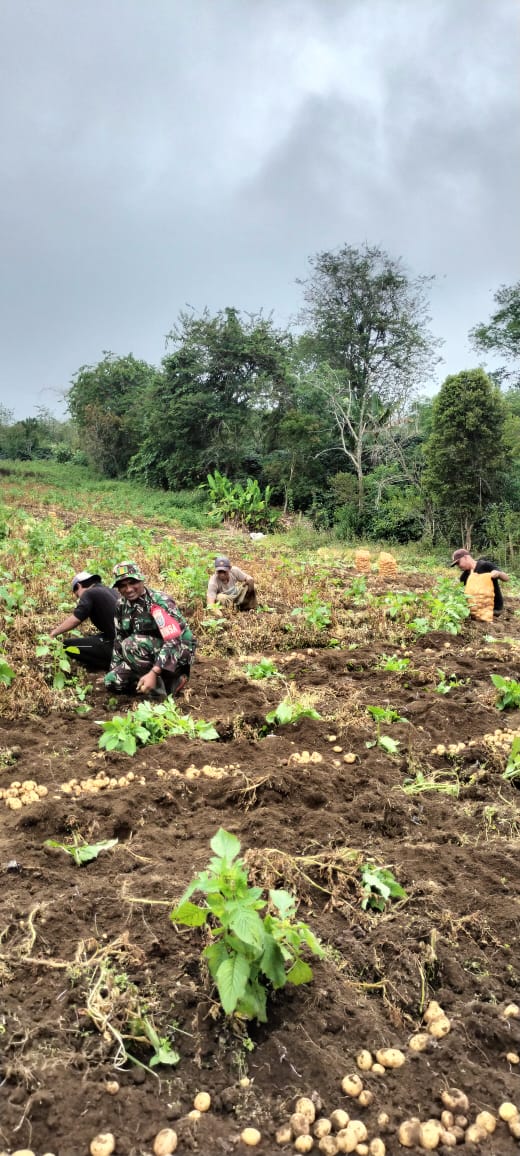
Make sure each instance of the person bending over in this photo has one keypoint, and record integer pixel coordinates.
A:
(97, 603)
(463, 559)
(229, 585)
(154, 646)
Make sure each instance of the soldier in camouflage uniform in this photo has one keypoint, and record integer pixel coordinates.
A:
(142, 659)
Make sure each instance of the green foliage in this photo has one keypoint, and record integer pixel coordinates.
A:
(315, 612)
(448, 682)
(266, 668)
(56, 651)
(444, 782)
(81, 851)
(243, 505)
(512, 771)
(466, 454)
(290, 711)
(379, 887)
(357, 590)
(151, 723)
(508, 692)
(6, 672)
(107, 401)
(249, 952)
(384, 714)
(392, 663)
(501, 335)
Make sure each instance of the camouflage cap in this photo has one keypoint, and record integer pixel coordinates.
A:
(127, 570)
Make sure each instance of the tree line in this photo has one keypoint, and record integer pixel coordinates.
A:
(329, 413)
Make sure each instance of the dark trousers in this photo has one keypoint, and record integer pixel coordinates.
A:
(95, 650)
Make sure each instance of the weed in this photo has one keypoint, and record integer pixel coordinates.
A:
(6, 672)
(290, 711)
(509, 692)
(81, 851)
(392, 663)
(357, 591)
(57, 653)
(248, 950)
(379, 886)
(448, 682)
(266, 668)
(315, 612)
(384, 714)
(440, 781)
(512, 771)
(244, 505)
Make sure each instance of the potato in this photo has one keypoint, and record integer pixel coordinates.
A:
(507, 1111)
(195, 1114)
(283, 1135)
(202, 1102)
(303, 1144)
(23, 1152)
(475, 1134)
(433, 1010)
(383, 1120)
(251, 1137)
(300, 1125)
(339, 1119)
(377, 1069)
(165, 1142)
(365, 1098)
(429, 1134)
(486, 1120)
(364, 1061)
(358, 1128)
(352, 1085)
(512, 1011)
(112, 1087)
(513, 1058)
(455, 1100)
(390, 1057)
(419, 1042)
(377, 1147)
(439, 1027)
(346, 1141)
(305, 1107)
(328, 1146)
(448, 1138)
(514, 1127)
(361, 1149)
(103, 1144)
(322, 1127)
(408, 1133)
(447, 1119)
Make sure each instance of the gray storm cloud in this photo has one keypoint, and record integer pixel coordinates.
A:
(160, 153)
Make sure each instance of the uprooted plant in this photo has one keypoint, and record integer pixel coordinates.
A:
(290, 710)
(508, 697)
(79, 850)
(249, 953)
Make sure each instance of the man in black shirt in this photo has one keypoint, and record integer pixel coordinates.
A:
(463, 559)
(98, 603)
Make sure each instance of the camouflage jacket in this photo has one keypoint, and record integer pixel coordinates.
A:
(136, 618)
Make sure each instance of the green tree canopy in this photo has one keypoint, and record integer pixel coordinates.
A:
(367, 342)
(501, 335)
(107, 402)
(466, 454)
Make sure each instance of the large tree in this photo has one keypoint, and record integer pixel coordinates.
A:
(107, 402)
(205, 410)
(366, 343)
(501, 334)
(466, 455)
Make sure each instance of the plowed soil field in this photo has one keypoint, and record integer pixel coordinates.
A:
(78, 946)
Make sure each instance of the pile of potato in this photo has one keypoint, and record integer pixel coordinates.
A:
(100, 782)
(333, 1134)
(21, 794)
(387, 565)
(499, 740)
(362, 561)
(306, 757)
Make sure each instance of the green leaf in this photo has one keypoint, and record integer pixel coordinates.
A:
(272, 962)
(300, 972)
(247, 925)
(231, 979)
(225, 845)
(216, 953)
(189, 915)
(284, 902)
(391, 746)
(164, 1054)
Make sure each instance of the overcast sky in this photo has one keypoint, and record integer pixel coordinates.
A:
(162, 152)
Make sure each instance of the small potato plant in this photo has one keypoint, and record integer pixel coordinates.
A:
(249, 952)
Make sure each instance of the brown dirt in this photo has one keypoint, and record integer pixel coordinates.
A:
(454, 939)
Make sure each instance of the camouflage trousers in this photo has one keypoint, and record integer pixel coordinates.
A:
(137, 654)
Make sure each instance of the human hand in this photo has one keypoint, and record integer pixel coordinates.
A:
(147, 682)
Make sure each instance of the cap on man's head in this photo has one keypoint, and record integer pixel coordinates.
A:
(222, 564)
(457, 555)
(127, 570)
(82, 577)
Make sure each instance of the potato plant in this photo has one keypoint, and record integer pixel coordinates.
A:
(249, 953)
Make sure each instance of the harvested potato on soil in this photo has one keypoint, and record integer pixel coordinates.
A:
(165, 1142)
(202, 1102)
(339, 1119)
(507, 1111)
(390, 1057)
(419, 1042)
(251, 1137)
(305, 1107)
(300, 1124)
(364, 1061)
(304, 1144)
(103, 1144)
(352, 1085)
(486, 1120)
(455, 1100)
(439, 1027)
(283, 1135)
(408, 1133)
(322, 1127)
